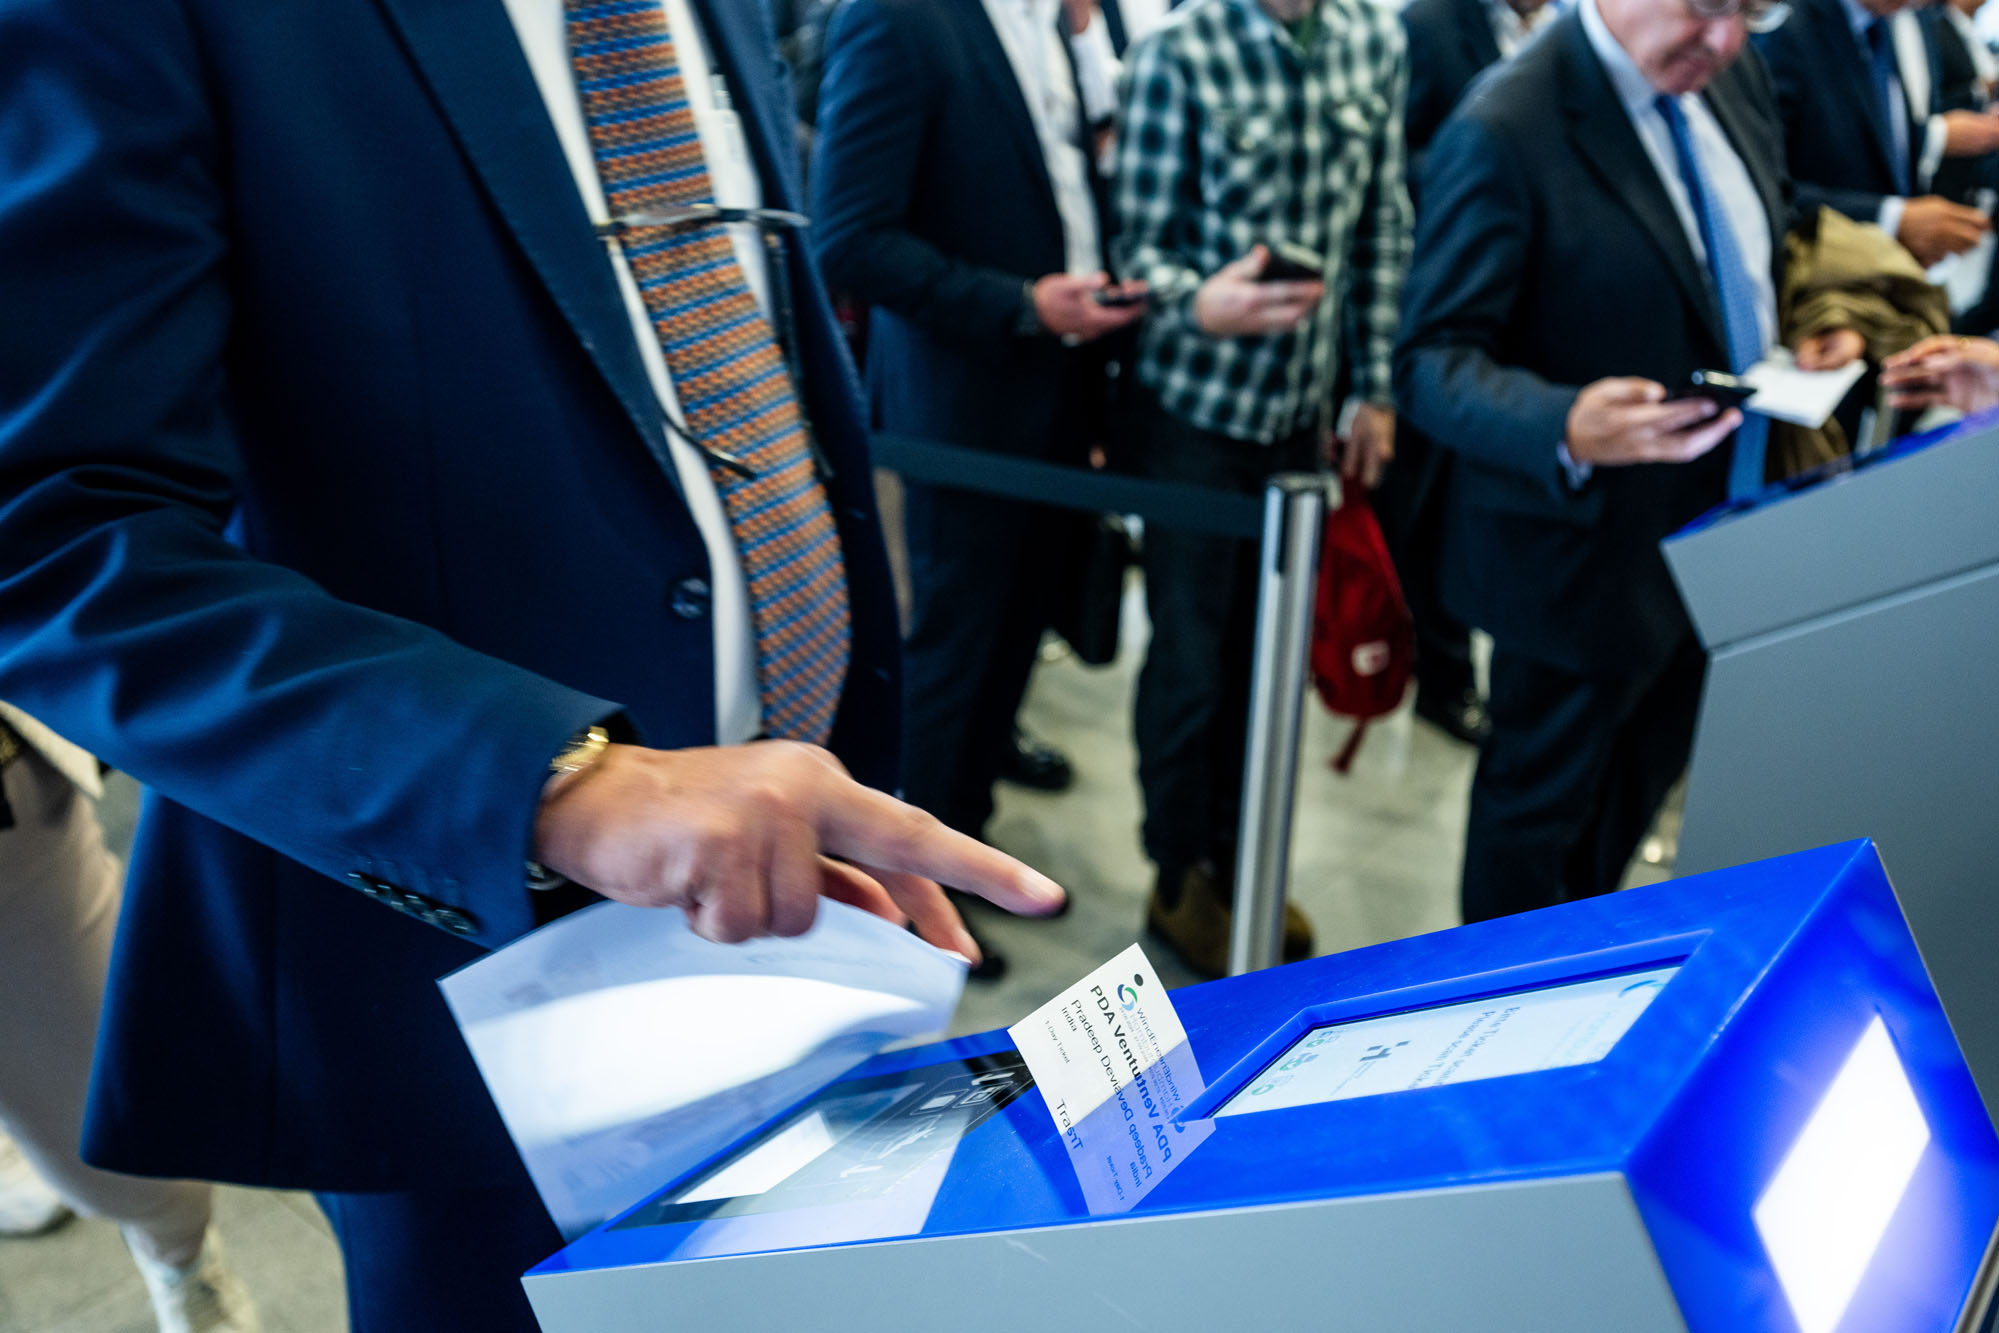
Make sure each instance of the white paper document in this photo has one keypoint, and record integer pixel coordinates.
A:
(1113, 1064)
(1801, 397)
(623, 1050)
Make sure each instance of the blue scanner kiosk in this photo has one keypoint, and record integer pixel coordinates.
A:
(1727, 1103)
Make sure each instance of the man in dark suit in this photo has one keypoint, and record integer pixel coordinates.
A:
(954, 194)
(1604, 216)
(371, 465)
(1450, 43)
(1856, 84)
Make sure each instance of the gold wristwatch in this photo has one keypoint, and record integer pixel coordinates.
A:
(585, 748)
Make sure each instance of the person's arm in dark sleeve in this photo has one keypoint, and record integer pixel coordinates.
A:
(353, 741)
(872, 120)
(1471, 249)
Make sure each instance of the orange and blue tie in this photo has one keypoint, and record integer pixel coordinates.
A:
(735, 392)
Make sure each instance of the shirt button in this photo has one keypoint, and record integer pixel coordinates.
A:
(691, 599)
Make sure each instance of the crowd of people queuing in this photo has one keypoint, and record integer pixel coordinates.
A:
(1074, 230)
(1469, 253)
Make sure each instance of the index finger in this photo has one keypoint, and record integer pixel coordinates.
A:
(875, 829)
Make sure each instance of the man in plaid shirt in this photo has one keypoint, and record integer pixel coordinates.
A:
(1247, 125)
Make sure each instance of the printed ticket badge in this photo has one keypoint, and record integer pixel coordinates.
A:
(1113, 1065)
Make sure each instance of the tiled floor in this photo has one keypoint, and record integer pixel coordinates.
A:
(1376, 859)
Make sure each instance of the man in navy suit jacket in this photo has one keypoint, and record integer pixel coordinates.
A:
(1555, 297)
(337, 501)
(1871, 157)
(954, 193)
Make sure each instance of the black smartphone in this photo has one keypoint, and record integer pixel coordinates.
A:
(1117, 297)
(1717, 386)
(1291, 262)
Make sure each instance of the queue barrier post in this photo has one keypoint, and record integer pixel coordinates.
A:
(1294, 521)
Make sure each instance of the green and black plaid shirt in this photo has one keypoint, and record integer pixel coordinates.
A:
(1232, 135)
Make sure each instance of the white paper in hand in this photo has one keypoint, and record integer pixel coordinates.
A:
(1801, 397)
(622, 1049)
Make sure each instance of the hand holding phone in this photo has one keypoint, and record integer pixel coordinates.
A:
(1119, 296)
(1291, 262)
(1718, 387)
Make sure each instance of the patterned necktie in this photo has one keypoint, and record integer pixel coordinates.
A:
(1734, 290)
(727, 370)
(1888, 108)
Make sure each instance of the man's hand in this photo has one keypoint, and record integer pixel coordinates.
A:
(1933, 227)
(1368, 447)
(1970, 133)
(745, 838)
(1830, 350)
(1067, 305)
(1077, 15)
(1616, 422)
(1233, 304)
(1944, 371)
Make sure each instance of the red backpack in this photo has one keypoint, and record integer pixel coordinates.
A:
(1363, 642)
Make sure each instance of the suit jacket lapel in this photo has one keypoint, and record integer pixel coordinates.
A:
(988, 60)
(742, 49)
(1481, 46)
(1604, 138)
(471, 59)
(1844, 58)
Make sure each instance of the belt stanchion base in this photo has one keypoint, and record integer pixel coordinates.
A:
(1294, 520)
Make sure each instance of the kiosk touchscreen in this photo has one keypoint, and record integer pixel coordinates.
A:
(1724, 1103)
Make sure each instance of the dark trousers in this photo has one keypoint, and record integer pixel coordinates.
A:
(1571, 778)
(1192, 712)
(437, 1261)
(984, 573)
(1407, 503)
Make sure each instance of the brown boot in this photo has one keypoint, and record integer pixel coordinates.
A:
(1199, 924)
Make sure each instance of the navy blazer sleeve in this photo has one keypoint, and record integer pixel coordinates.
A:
(350, 740)
(872, 120)
(1472, 245)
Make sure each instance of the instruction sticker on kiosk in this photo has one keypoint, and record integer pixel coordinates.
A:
(1112, 1061)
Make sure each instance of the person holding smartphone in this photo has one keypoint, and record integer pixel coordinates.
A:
(1602, 220)
(1259, 238)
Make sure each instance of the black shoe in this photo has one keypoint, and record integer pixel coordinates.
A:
(1462, 715)
(1029, 763)
(992, 963)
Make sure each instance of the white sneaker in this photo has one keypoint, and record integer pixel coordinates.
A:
(28, 1206)
(204, 1297)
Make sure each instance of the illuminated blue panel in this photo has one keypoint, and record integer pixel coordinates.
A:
(1774, 975)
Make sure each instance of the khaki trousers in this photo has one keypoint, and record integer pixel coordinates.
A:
(59, 895)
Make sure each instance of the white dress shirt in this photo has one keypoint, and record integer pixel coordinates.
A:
(1983, 62)
(540, 25)
(1511, 28)
(1032, 40)
(1028, 31)
(1721, 169)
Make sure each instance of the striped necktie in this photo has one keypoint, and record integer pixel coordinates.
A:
(1734, 291)
(734, 391)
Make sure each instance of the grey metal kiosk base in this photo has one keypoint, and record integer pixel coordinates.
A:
(1553, 1256)
(1853, 632)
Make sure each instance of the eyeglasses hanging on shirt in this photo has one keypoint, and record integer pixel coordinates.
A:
(775, 224)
